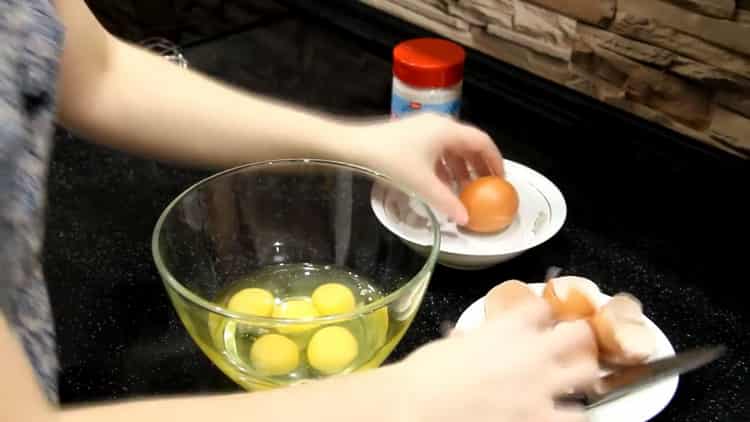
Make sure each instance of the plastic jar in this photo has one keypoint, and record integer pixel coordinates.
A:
(427, 76)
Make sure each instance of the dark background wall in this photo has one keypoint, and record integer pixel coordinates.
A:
(181, 21)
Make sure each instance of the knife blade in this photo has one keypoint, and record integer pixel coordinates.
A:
(627, 379)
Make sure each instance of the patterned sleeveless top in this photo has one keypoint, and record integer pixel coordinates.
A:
(30, 46)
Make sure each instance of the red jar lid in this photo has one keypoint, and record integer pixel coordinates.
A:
(429, 62)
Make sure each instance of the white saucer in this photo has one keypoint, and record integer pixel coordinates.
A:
(542, 212)
(638, 406)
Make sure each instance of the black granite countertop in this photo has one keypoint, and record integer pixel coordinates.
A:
(654, 218)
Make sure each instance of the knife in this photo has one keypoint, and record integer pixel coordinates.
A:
(627, 379)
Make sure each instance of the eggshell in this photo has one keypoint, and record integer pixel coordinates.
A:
(491, 202)
(621, 331)
(506, 296)
(571, 297)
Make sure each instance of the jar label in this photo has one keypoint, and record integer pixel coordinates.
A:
(401, 106)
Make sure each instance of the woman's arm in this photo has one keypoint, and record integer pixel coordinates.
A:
(125, 97)
(21, 399)
(365, 397)
(476, 376)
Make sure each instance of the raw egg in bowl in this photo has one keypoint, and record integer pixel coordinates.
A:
(507, 217)
(281, 274)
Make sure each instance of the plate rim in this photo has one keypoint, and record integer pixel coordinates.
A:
(550, 192)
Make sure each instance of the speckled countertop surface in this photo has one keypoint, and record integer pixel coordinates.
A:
(654, 219)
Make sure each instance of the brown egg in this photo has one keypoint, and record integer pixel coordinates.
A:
(506, 296)
(492, 204)
(571, 297)
(621, 331)
(586, 349)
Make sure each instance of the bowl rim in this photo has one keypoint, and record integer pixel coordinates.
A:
(187, 294)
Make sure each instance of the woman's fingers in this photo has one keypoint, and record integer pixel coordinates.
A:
(457, 166)
(441, 169)
(567, 415)
(550, 411)
(583, 372)
(494, 159)
(436, 139)
(442, 197)
(572, 338)
(534, 315)
(479, 165)
(469, 141)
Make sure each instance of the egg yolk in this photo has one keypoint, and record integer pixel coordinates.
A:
(274, 354)
(332, 349)
(295, 309)
(333, 298)
(252, 301)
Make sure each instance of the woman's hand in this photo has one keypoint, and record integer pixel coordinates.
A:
(511, 369)
(411, 151)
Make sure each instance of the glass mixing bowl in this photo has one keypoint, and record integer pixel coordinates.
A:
(243, 255)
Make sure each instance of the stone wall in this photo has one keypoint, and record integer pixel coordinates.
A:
(684, 64)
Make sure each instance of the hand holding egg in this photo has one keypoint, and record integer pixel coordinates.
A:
(619, 334)
(411, 149)
(511, 368)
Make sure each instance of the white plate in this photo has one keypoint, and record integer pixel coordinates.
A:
(541, 214)
(638, 406)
